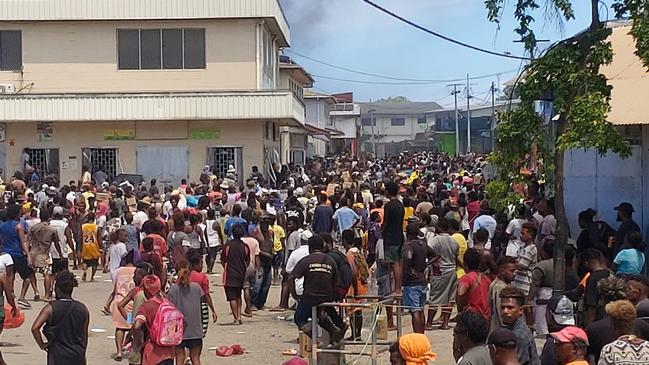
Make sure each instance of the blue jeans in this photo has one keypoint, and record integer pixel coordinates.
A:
(261, 287)
(414, 297)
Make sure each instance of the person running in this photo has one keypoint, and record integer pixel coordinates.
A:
(187, 296)
(64, 322)
(235, 259)
(91, 251)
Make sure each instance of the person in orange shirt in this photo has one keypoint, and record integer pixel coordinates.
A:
(378, 207)
(359, 285)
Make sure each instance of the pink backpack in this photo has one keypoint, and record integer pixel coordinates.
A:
(168, 325)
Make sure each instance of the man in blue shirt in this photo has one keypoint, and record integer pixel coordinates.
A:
(234, 219)
(345, 216)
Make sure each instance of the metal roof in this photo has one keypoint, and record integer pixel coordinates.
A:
(67, 10)
(277, 105)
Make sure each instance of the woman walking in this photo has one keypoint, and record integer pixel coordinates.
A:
(186, 297)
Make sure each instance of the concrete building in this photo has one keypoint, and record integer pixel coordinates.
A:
(158, 88)
(602, 182)
(293, 139)
(394, 122)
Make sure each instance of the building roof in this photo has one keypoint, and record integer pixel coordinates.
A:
(296, 71)
(310, 94)
(629, 78)
(79, 10)
(396, 108)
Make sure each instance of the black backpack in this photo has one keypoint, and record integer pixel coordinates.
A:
(345, 274)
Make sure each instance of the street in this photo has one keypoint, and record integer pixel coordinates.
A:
(264, 336)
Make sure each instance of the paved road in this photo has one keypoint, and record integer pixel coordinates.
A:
(264, 336)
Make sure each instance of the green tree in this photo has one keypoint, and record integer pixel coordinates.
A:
(569, 75)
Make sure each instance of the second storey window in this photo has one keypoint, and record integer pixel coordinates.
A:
(11, 52)
(155, 49)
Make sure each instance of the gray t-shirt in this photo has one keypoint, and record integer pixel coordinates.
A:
(478, 355)
(187, 300)
(446, 247)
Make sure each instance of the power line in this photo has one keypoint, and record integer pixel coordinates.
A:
(448, 39)
(391, 77)
(410, 82)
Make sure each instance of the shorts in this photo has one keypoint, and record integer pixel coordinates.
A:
(21, 266)
(414, 297)
(232, 293)
(5, 262)
(191, 344)
(59, 265)
(91, 262)
(392, 254)
(45, 270)
(278, 259)
(251, 276)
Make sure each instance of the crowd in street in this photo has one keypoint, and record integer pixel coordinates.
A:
(416, 227)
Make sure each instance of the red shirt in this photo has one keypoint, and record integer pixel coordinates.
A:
(200, 279)
(473, 209)
(152, 354)
(478, 293)
(159, 245)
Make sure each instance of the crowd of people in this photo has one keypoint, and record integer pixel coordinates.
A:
(418, 227)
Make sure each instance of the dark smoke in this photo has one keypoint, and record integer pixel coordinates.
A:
(307, 19)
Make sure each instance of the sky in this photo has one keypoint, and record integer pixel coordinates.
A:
(354, 35)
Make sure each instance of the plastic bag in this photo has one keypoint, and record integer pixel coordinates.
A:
(11, 321)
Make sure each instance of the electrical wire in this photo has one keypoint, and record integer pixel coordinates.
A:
(448, 39)
(411, 82)
(393, 77)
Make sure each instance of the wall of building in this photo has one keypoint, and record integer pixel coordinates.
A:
(82, 57)
(347, 125)
(603, 182)
(317, 112)
(70, 138)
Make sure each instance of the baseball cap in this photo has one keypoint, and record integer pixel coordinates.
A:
(625, 207)
(502, 337)
(58, 210)
(569, 334)
(305, 235)
(562, 310)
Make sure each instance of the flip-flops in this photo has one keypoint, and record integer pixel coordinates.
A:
(227, 351)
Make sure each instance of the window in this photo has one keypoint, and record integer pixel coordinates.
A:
(421, 120)
(398, 122)
(44, 160)
(101, 159)
(368, 122)
(11, 52)
(220, 158)
(154, 49)
(269, 60)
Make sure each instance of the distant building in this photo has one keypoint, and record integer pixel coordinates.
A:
(158, 88)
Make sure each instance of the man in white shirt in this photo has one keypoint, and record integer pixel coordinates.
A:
(297, 255)
(65, 238)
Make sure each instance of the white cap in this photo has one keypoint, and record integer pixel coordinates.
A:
(58, 210)
(305, 235)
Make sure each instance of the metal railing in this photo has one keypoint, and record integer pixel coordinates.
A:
(373, 342)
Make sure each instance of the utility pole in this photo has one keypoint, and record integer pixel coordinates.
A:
(370, 111)
(468, 115)
(493, 115)
(457, 123)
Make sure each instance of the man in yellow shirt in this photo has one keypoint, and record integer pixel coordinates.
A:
(90, 251)
(278, 249)
(462, 246)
